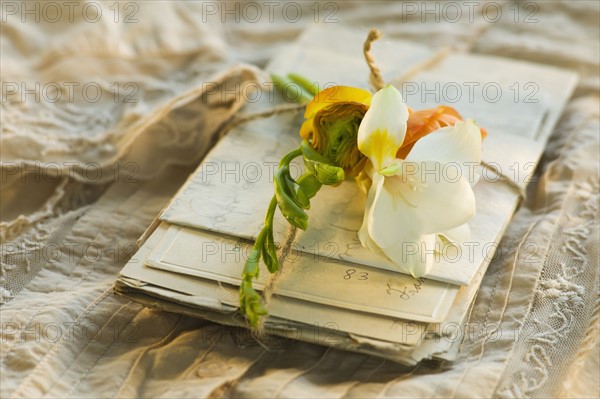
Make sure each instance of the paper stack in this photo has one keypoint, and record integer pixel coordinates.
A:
(332, 291)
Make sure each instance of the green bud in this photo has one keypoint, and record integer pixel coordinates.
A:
(258, 308)
(269, 253)
(251, 303)
(310, 185)
(302, 198)
(325, 174)
(287, 204)
(317, 165)
(251, 267)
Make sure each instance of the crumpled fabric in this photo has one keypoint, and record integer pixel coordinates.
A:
(83, 178)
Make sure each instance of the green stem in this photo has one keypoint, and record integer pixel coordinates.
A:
(290, 156)
(251, 303)
(271, 212)
(286, 88)
(310, 87)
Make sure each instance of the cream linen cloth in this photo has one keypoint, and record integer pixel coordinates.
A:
(81, 180)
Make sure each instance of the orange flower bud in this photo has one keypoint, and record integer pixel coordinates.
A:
(421, 123)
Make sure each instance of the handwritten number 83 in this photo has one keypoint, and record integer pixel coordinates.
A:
(360, 276)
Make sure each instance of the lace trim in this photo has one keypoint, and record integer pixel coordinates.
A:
(564, 295)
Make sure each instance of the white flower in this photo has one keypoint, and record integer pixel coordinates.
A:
(411, 201)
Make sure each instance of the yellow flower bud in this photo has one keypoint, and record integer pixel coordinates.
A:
(331, 126)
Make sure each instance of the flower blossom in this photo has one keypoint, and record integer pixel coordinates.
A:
(417, 196)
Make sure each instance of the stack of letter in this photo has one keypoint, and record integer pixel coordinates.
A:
(331, 290)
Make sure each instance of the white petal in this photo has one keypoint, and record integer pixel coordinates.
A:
(413, 255)
(383, 127)
(458, 147)
(390, 218)
(394, 227)
(427, 199)
(363, 233)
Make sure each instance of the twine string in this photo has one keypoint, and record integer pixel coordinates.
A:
(424, 65)
(375, 77)
(271, 284)
(249, 117)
